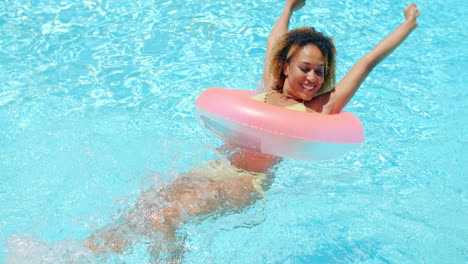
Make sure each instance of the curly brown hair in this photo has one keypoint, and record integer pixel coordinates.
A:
(291, 43)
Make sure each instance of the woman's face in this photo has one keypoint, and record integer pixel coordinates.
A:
(304, 73)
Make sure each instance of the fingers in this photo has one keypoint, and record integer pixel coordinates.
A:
(296, 4)
(412, 11)
(417, 12)
(415, 9)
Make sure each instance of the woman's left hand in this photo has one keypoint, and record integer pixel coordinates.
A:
(411, 13)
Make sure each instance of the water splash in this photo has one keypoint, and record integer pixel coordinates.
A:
(24, 249)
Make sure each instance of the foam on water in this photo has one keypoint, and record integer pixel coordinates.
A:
(22, 249)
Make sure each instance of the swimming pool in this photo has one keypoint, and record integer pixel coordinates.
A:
(97, 96)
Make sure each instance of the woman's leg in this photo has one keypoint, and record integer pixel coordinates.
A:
(281, 27)
(194, 195)
(189, 196)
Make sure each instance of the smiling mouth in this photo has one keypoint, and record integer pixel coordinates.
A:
(308, 87)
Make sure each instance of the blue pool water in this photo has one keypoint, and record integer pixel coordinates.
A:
(97, 103)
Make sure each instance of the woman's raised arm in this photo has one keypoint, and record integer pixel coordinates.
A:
(350, 83)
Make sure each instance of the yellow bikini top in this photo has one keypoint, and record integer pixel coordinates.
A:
(296, 107)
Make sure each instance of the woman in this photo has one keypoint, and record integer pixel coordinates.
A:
(299, 74)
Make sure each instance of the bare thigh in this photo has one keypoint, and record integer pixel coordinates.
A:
(195, 195)
(190, 195)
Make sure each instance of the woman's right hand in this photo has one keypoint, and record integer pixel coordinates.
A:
(295, 4)
(411, 13)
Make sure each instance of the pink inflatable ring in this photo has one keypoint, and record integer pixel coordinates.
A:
(233, 116)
